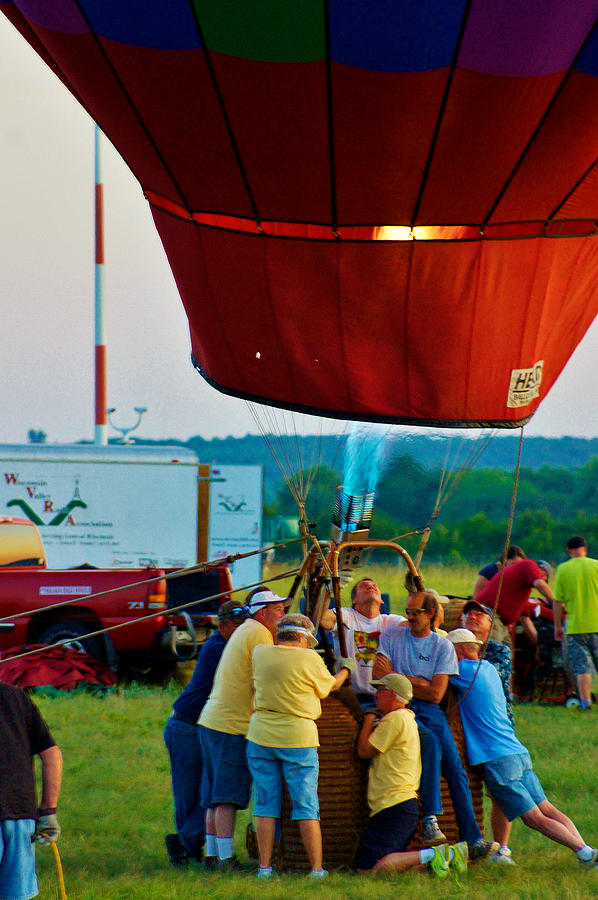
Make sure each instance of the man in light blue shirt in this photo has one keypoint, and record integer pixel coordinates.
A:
(507, 767)
(428, 660)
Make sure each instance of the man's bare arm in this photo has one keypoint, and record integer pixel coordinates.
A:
(480, 582)
(51, 777)
(328, 620)
(364, 749)
(559, 609)
(542, 586)
(433, 691)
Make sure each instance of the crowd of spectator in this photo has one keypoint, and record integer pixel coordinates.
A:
(254, 728)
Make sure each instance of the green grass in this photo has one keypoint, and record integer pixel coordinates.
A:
(116, 807)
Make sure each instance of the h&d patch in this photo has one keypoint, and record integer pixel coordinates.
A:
(525, 385)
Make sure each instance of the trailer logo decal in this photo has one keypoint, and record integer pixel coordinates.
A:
(231, 505)
(59, 516)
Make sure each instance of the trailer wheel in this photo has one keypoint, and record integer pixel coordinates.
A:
(74, 631)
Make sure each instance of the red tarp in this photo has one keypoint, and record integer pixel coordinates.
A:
(56, 666)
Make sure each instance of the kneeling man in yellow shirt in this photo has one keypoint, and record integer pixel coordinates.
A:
(393, 781)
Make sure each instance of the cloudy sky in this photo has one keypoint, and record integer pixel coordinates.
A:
(46, 285)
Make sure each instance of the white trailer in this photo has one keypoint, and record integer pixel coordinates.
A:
(235, 519)
(111, 507)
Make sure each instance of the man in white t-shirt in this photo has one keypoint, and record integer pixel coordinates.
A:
(363, 624)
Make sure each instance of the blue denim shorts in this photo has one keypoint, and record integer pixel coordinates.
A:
(514, 785)
(582, 651)
(298, 766)
(17, 859)
(225, 777)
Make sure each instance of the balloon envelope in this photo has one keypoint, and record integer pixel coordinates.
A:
(372, 210)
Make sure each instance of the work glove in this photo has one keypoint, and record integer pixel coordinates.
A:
(346, 662)
(47, 829)
(345, 578)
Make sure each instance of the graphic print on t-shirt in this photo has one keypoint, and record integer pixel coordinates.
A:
(366, 646)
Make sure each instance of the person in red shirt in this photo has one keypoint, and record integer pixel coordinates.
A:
(513, 586)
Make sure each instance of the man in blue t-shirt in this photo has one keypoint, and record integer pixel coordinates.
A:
(428, 660)
(507, 767)
(181, 736)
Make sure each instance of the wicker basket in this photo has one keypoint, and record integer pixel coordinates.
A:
(453, 612)
(342, 790)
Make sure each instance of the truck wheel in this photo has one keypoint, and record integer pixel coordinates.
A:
(74, 630)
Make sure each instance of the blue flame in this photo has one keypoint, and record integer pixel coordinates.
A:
(363, 459)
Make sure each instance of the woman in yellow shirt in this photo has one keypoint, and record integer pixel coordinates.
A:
(282, 741)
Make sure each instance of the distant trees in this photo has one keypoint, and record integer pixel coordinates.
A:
(36, 437)
(552, 504)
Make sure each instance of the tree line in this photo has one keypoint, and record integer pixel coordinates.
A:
(552, 503)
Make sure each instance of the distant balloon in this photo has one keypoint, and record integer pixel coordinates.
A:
(374, 210)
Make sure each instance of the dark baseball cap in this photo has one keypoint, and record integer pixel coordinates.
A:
(232, 611)
(473, 604)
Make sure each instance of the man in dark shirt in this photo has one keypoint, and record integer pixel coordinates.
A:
(23, 735)
(182, 741)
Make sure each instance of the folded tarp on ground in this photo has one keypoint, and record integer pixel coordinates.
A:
(56, 666)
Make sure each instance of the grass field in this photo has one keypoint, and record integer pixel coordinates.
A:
(116, 804)
(455, 580)
(116, 807)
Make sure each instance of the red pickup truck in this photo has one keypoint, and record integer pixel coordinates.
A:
(31, 596)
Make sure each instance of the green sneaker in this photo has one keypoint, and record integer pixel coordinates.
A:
(439, 863)
(459, 854)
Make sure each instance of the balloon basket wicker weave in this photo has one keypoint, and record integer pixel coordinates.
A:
(342, 790)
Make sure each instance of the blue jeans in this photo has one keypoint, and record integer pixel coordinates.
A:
(17, 859)
(435, 722)
(182, 741)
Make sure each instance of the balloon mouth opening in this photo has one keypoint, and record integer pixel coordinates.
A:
(553, 228)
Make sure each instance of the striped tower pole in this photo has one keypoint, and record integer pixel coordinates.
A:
(101, 424)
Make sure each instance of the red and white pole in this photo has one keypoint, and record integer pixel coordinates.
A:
(101, 423)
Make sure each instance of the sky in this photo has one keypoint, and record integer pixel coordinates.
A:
(47, 289)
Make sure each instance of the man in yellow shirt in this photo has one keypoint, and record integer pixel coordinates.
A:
(395, 771)
(226, 782)
(282, 741)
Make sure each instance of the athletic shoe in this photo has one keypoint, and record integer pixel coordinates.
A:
(230, 864)
(439, 863)
(318, 873)
(176, 851)
(264, 873)
(458, 856)
(431, 833)
(210, 863)
(503, 856)
(584, 709)
(482, 849)
(591, 863)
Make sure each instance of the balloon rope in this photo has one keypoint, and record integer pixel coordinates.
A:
(506, 545)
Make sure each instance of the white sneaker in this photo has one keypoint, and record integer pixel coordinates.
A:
(502, 855)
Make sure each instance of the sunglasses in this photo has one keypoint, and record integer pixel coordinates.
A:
(414, 612)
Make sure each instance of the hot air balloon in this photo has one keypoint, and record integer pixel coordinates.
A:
(380, 211)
